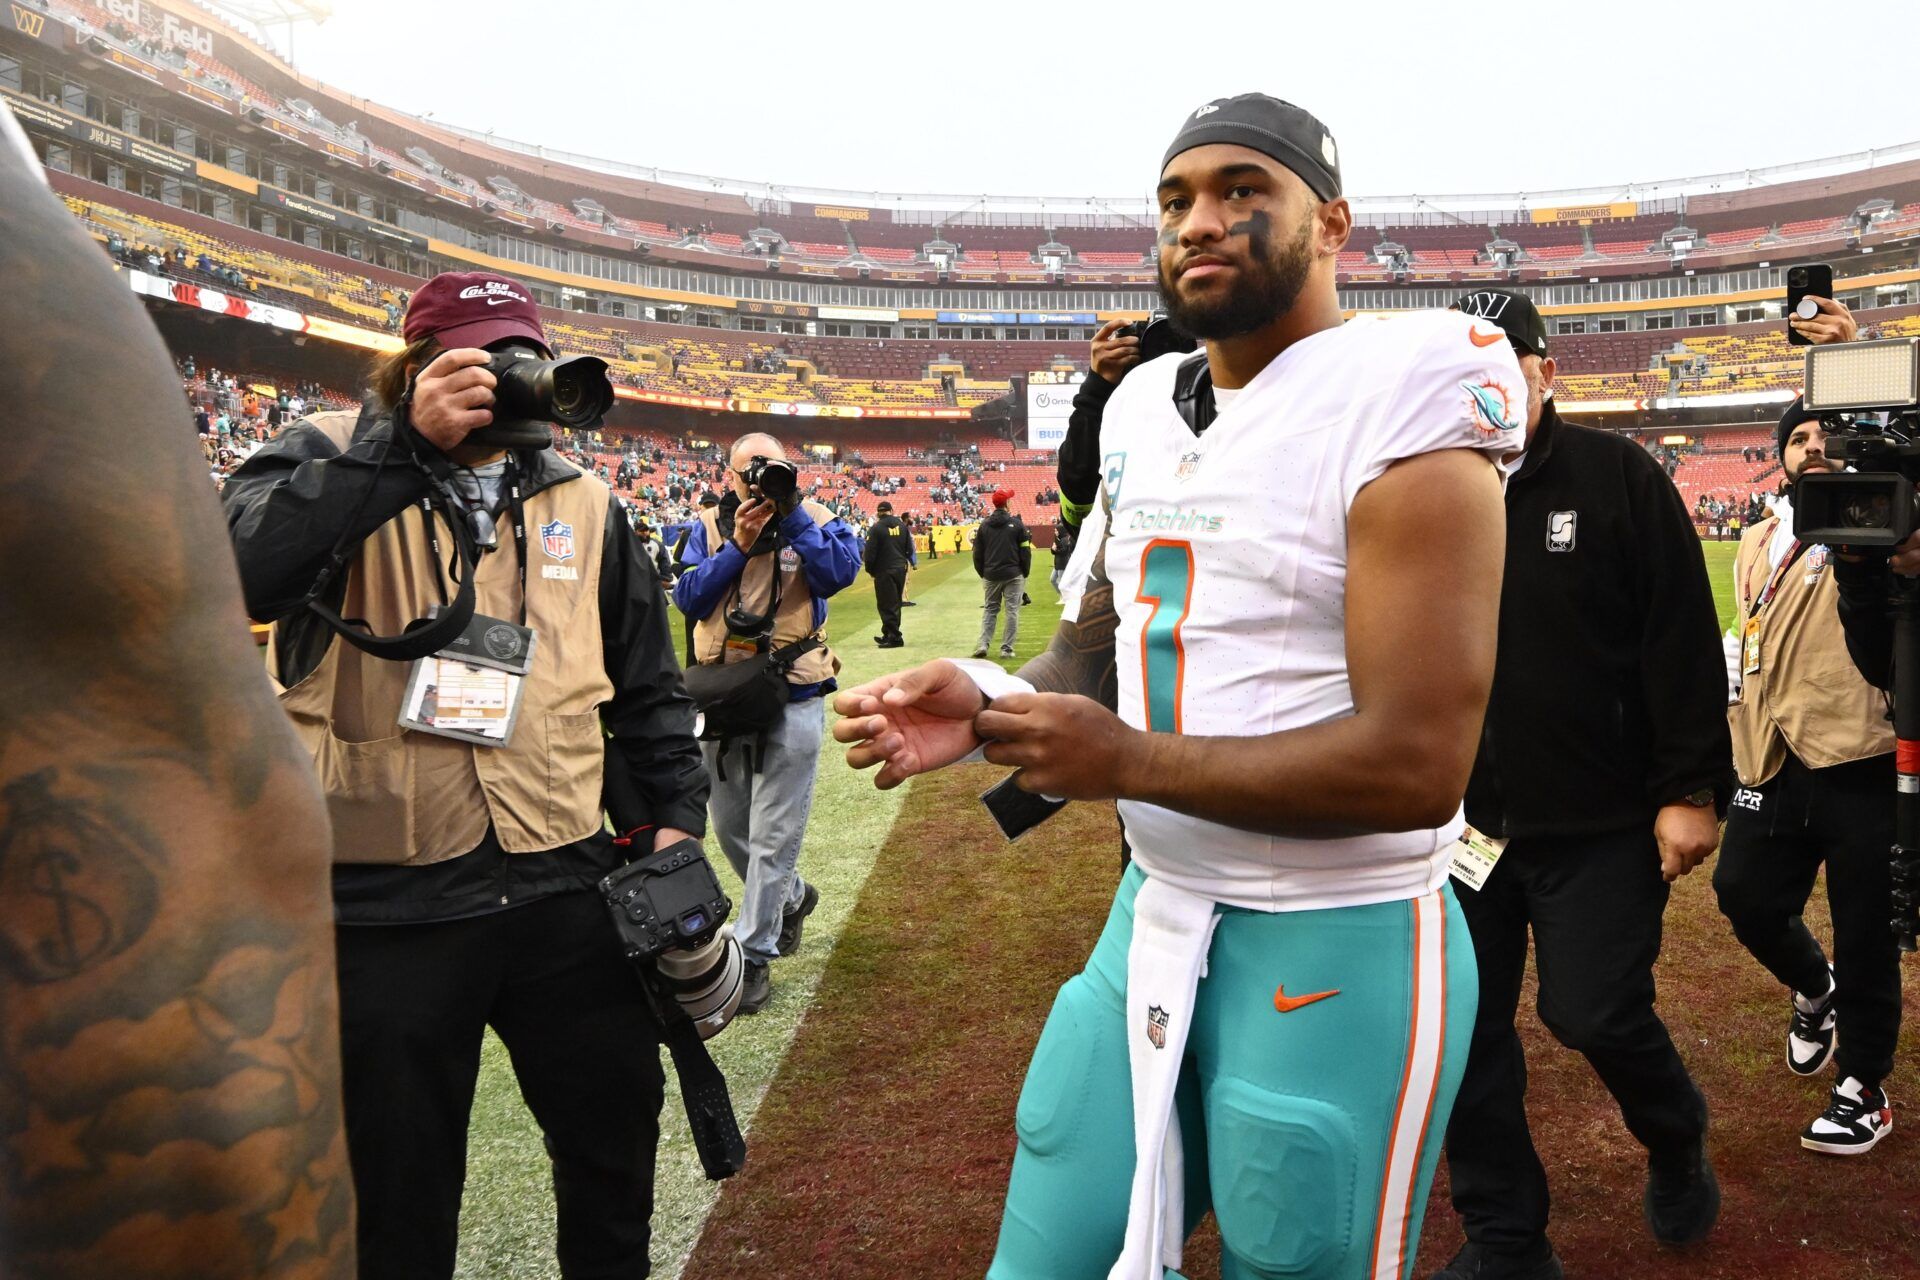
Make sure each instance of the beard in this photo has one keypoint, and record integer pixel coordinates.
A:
(1267, 285)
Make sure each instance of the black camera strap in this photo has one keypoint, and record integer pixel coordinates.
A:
(703, 1090)
(423, 636)
(1193, 393)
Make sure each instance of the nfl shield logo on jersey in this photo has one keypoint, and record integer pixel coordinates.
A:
(1560, 526)
(556, 537)
(1189, 463)
(1157, 1026)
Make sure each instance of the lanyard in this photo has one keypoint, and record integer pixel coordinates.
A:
(519, 516)
(1779, 576)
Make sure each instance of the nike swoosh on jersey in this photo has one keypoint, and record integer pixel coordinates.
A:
(1287, 1004)
(1480, 339)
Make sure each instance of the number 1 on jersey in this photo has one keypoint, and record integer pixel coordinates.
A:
(1166, 582)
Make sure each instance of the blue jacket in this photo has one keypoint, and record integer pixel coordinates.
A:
(829, 560)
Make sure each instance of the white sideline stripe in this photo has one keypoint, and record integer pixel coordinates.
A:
(1426, 1038)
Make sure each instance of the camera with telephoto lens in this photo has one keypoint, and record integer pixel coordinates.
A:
(776, 479)
(531, 392)
(1158, 335)
(671, 914)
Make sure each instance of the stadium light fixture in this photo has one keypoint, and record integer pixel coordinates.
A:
(1844, 376)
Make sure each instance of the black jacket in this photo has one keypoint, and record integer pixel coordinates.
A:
(1064, 537)
(1610, 689)
(1078, 466)
(1001, 548)
(285, 508)
(887, 543)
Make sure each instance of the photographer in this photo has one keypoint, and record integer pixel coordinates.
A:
(758, 587)
(1814, 752)
(465, 870)
(1114, 351)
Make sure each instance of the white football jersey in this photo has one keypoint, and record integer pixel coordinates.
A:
(1228, 557)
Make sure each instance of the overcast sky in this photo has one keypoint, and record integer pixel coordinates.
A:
(1080, 98)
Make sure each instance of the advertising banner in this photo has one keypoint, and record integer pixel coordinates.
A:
(785, 310)
(328, 215)
(978, 317)
(46, 119)
(877, 315)
(1059, 317)
(1049, 404)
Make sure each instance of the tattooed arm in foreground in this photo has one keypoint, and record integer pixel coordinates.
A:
(169, 1077)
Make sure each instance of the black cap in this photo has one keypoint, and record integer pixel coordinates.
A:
(1513, 312)
(1276, 129)
(1795, 415)
(709, 499)
(885, 509)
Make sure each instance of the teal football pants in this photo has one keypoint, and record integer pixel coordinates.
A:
(1312, 1133)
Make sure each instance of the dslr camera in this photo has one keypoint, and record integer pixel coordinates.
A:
(670, 912)
(532, 392)
(772, 478)
(1158, 335)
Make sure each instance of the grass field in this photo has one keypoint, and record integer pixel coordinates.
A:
(880, 1128)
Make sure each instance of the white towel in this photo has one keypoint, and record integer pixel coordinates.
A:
(1172, 931)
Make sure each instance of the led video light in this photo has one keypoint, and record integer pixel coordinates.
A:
(1863, 375)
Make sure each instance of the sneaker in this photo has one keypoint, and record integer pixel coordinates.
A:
(1006, 653)
(1855, 1120)
(908, 604)
(1682, 1201)
(981, 652)
(1473, 1263)
(757, 989)
(794, 920)
(1810, 1033)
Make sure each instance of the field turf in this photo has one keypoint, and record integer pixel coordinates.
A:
(881, 1126)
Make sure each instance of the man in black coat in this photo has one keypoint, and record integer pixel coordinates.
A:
(1604, 763)
(889, 552)
(1003, 557)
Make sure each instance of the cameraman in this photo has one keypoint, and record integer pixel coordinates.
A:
(756, 584)
(1814, 752)
(465, 875)
(1078, 467)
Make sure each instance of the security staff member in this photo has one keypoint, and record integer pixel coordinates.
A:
(1814, 750)
(889, 552)
(1601, 765)
(464, 884)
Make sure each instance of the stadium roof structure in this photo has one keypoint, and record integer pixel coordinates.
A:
(1387, 210)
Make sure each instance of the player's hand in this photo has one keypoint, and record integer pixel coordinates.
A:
(1063, 744)
(1834, 323)
(1687, 835)
(1112, 356)
(910, 722)
(748, 522)
(452, 397)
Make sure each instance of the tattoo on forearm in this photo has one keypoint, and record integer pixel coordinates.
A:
(1080, 658)
(168, 1095)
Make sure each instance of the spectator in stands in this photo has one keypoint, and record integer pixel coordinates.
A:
(888, 555)
(1601, 766)
(1814, 753)
(758, 579)
(471, 901)
(1003, 557)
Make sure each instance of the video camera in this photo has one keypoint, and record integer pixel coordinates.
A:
(1867, 395)
(1158, 335)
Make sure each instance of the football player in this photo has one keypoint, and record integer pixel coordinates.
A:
(1278, 664)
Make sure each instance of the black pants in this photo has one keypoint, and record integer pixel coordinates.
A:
(888, 584)
(1595, 904)
(548, 977)
(1777, 837)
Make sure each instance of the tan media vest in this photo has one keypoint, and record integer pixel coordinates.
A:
(752, 592)
(412, 798)
(1807, 696)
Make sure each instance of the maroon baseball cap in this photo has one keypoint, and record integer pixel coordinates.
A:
(473, 309)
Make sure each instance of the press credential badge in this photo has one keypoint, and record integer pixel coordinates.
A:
(1471, 858)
